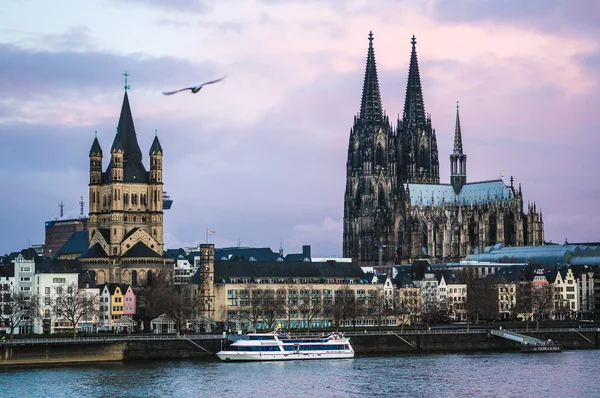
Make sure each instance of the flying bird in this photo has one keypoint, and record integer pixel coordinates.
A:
(194, 90)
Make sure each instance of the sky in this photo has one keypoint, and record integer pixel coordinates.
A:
(260, 157)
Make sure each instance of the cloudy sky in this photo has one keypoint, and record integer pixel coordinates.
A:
(260, 158)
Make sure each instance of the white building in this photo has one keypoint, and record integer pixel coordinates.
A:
(24, 266)
(7, 284)
(49, 287)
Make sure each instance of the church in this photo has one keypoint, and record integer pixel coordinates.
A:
(395, 208)
(125, 209)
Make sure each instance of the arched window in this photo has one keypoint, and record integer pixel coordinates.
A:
(379, 156)
(149, 278)
(381, 196)
(134, 278)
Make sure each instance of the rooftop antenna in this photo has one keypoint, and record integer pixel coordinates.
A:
(62, 209)
(81, 203)
(239, 241)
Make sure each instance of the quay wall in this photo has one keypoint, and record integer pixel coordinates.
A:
(68, 353)
(364, 344)
(465, 341)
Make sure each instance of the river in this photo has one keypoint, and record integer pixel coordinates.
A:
(565, 374)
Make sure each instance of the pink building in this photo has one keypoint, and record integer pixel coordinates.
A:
(129, 305)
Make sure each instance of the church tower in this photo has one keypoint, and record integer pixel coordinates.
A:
(419, 161)
(458, 160)
(371, 183)
(126, 211)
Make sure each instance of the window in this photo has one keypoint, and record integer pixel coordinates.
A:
(149, 278)
(59, 280)
(70, 290)
(134, 278)
(25, 279)
(25, 288)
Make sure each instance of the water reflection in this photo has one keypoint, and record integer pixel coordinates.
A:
(570, 373)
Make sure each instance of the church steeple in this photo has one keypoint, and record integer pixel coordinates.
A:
(370, 107)
(458, 148)
(414, 109)
(458, 160)
(126, 140)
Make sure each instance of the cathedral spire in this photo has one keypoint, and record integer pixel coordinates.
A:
(458, 148)
(370, 107)
(414, 109)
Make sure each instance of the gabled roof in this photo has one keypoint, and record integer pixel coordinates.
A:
(96, 251)
(124, 287)
(403, 280)
(131, 232)
(105, 234)
(77, 243)
(112, 287)
(140, 250)
(87, 277)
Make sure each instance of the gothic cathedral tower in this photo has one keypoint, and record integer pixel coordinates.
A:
(371, 183)
(126, 210)
(418, 152)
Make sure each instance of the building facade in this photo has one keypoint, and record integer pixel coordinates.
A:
(126, 211)
(396, 209)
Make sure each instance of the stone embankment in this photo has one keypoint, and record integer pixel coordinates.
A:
(39, 351)
(20, 352)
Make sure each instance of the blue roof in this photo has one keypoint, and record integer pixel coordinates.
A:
(77, 243)
(476, 193)
(547, 254)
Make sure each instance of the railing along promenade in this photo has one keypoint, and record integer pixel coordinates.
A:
(109, 339)
(455, 331)
(159, 337)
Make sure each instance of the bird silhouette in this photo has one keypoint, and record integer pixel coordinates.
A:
(195, 89)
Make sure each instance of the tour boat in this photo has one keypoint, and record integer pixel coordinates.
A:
(275, 347)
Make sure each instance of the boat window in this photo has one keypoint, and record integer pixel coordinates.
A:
(261, 337)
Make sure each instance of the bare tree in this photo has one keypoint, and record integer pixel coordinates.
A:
(272, 308)
(406, 306)
(482, 299)
(179, 302)
(523, 301)
(251, 305)
(19, 307)
(72, 304)
(343, 307)
(542, 300)
(291, 308)
(310, 305)
(378, 307)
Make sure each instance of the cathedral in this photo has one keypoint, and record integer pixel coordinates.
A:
(125, 209)
(396, 209)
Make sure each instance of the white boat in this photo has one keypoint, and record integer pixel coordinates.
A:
(276, 347)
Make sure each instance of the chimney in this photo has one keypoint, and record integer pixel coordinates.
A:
(306, 252)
